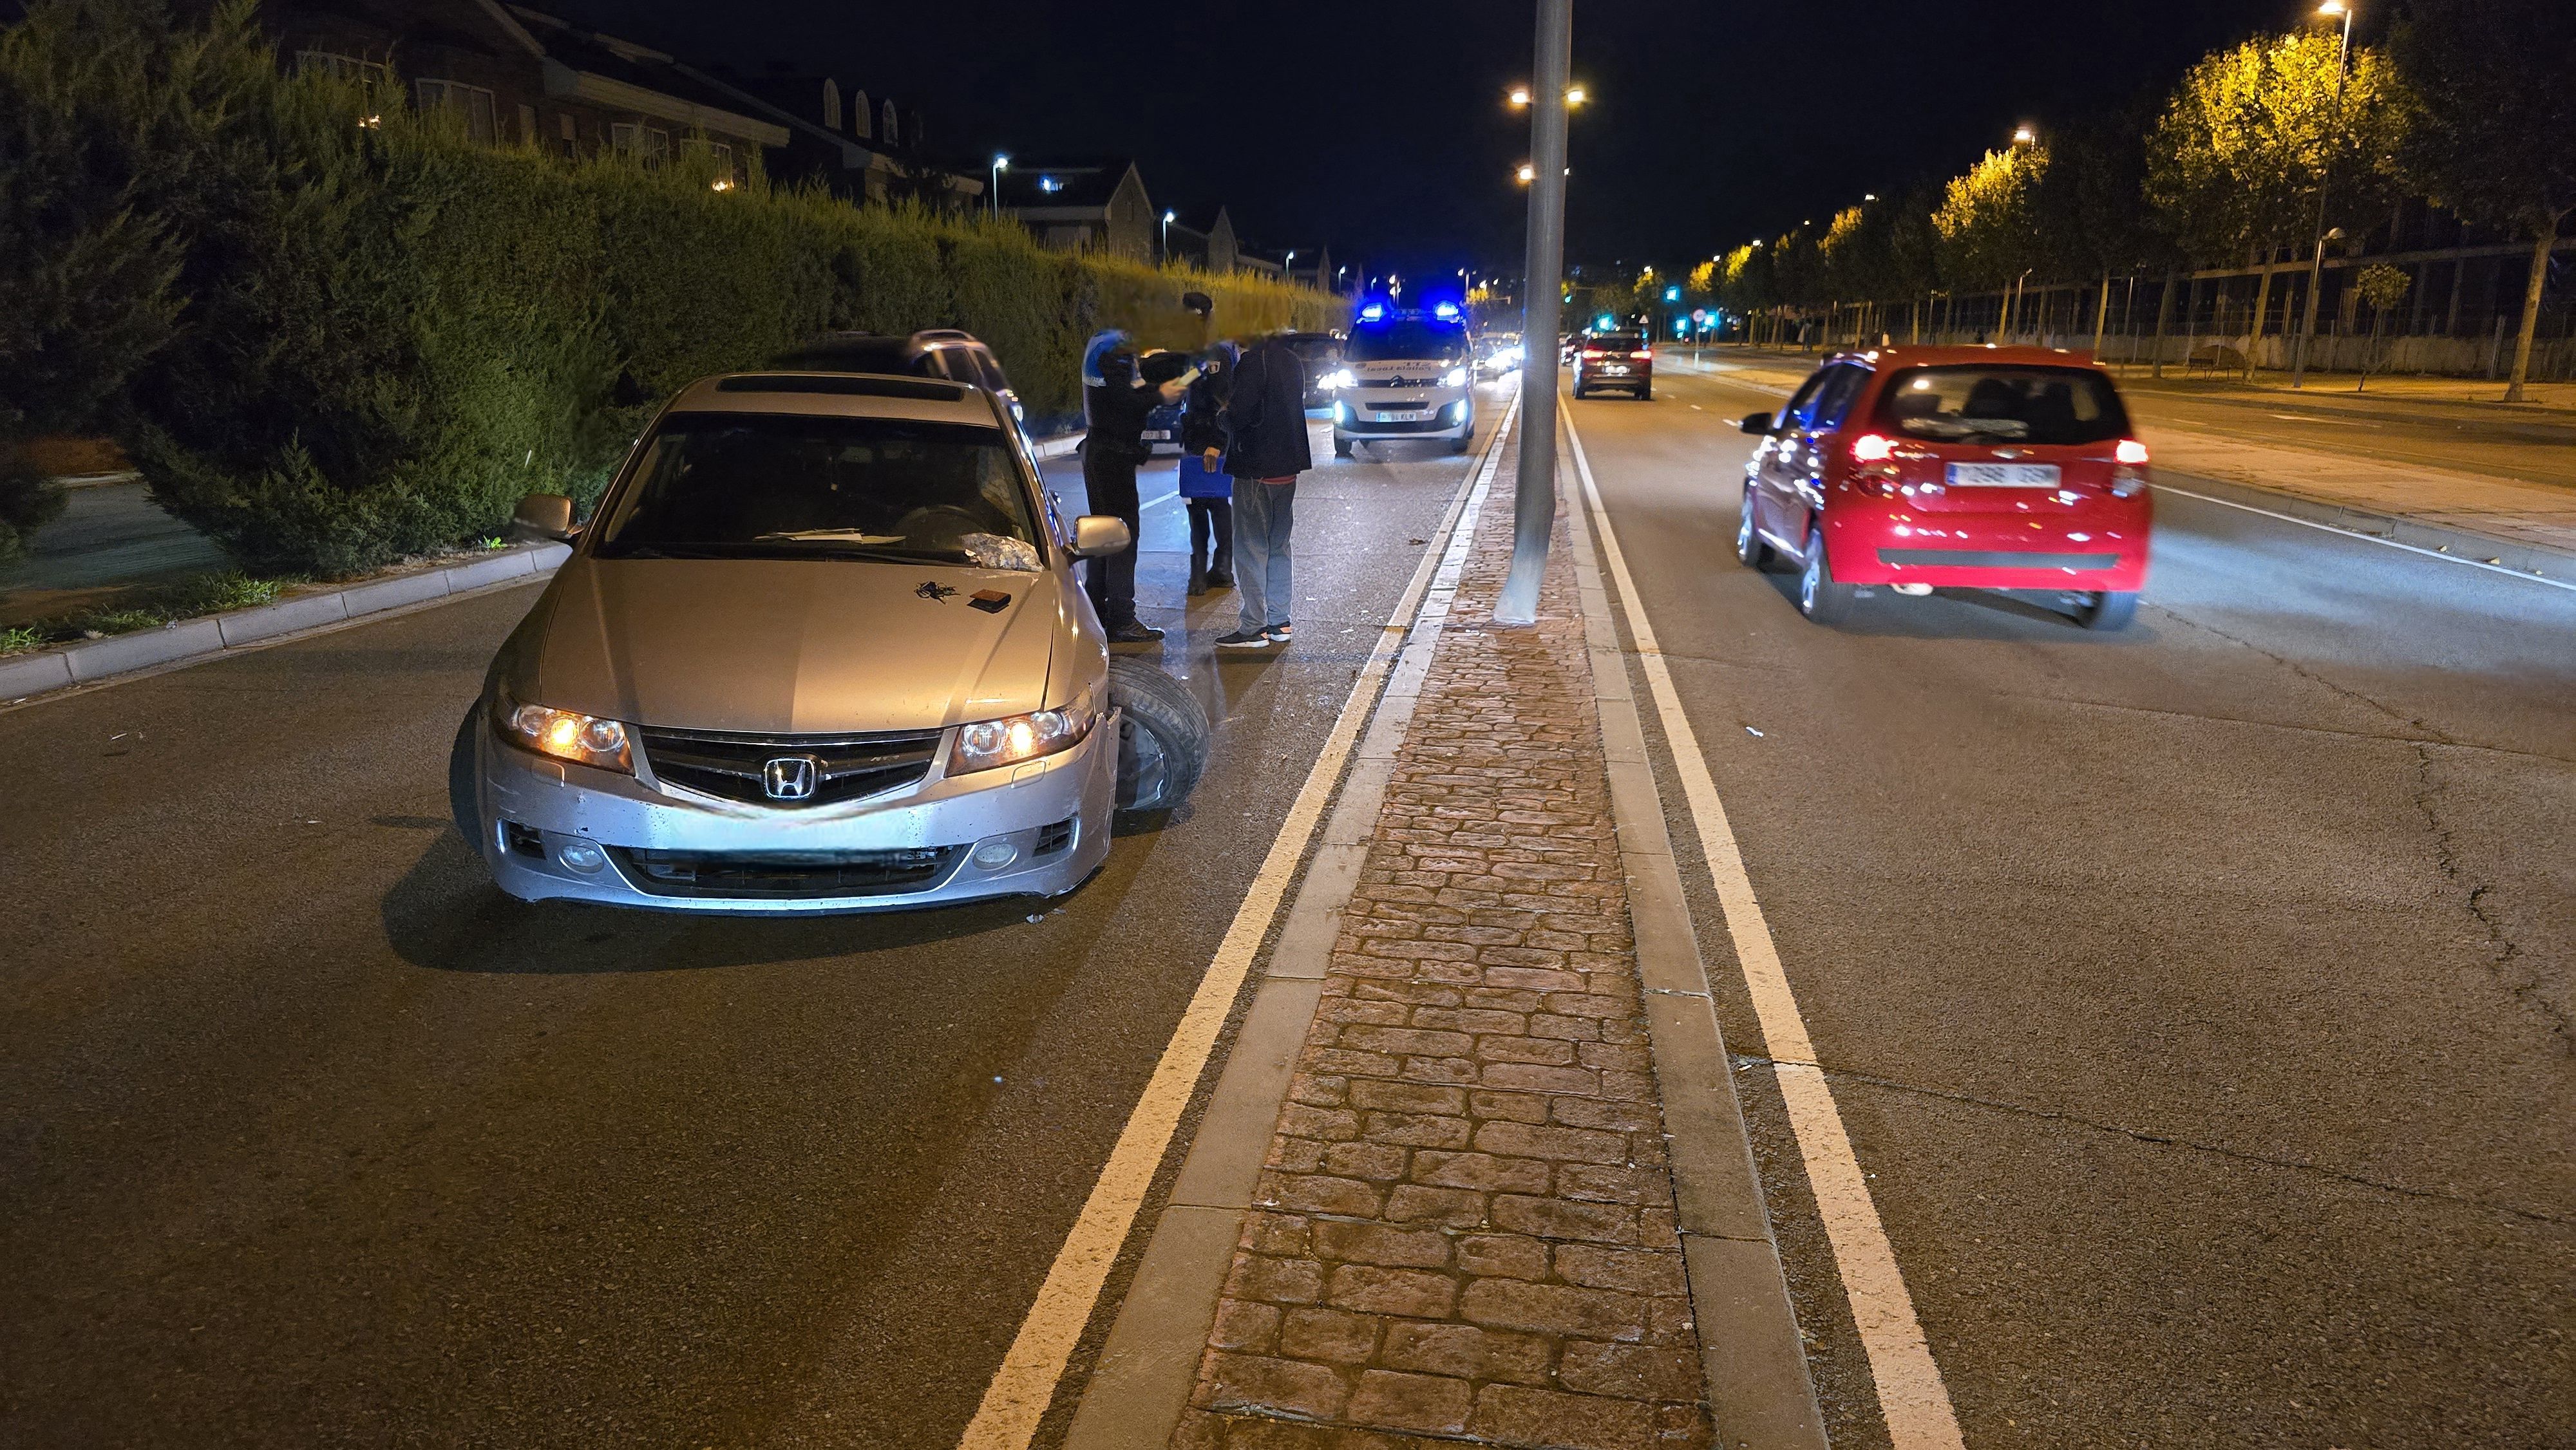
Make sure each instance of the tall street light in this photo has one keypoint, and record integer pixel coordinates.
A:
(2331, 9)
(1167, 234)
(1534, 507)
(993, 193)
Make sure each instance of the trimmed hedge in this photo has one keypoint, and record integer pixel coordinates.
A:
(333, 332)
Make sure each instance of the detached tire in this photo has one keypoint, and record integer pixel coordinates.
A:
(1162, 736)
(461, 803)
(2108, 609)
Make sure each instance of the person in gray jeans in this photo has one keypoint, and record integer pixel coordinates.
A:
(1264, 419)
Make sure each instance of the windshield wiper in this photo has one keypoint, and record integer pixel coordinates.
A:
(849, 536)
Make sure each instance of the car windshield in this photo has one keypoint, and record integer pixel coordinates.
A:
(1408, 340)
(1985, 403)
(763, 485)
(1616, 342)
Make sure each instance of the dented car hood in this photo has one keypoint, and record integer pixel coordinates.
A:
(789, 646)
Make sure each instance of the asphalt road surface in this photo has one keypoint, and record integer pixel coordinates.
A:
(2196, 996)
(309, 1136)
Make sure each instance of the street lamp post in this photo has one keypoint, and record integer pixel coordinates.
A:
(993, 193)
(2317, 262)
(1534, 506)
(1167, 235)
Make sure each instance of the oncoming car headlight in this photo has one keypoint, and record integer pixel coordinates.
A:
(990, 743)
(1454, 378)
(1339, 378)
(563, 734)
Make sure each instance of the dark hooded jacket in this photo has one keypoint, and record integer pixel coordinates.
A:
(1265, 415)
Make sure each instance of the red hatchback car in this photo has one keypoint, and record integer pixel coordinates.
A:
(1915, 468)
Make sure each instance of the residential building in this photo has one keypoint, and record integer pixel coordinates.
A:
(518, 76)
(835, 137)
(1095, 205)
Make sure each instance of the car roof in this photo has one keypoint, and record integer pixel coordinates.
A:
(873, 352)
(1969, 354)
(841, 395)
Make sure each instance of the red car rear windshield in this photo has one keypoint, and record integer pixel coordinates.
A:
(1976, 403)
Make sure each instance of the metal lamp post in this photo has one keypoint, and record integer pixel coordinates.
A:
(2317, 261)
(1534, 510)
(1167, 235)
(993, 193)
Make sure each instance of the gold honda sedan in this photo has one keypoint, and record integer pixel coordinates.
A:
(819, 649)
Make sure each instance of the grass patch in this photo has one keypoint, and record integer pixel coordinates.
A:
(148, 609)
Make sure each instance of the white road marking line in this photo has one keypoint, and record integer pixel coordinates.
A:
(1911, 1397)
(1022, 1387)
(2524, 575)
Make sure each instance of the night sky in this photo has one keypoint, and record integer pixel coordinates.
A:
(1380, 129)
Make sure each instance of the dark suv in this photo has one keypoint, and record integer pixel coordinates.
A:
(1614, 360)
(937, 352)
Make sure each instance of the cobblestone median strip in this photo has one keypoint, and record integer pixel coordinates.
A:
(1465, 1226)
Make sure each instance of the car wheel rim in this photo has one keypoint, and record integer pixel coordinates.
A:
(1807, 587)
(1744, 529)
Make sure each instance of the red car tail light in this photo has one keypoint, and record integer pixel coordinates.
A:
(2128, 467)
(1643, 352)
(1874, 458)
(1592, 352)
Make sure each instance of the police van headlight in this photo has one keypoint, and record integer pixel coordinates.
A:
(1338, 379)
(1454, 378)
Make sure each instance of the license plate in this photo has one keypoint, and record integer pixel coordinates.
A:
(1412, 417)
(2003, 475)
(1616, 370)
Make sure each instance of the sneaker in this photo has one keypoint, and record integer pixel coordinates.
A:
(1133, 632)
(1280, 631)
(1244, 639)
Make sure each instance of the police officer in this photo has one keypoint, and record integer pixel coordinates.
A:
(1115, 402)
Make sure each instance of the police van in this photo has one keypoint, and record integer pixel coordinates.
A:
(1405, 374)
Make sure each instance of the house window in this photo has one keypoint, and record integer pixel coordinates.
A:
(648, 144)
(831, 104)
(859, 115)
(344, 67)
(474, 103)
(886, 127)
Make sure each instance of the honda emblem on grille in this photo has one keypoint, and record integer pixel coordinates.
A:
(791, 777)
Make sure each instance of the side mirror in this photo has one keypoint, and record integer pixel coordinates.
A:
(1097, 535)
(1198, 302)
(1757, 424)
(543, 516)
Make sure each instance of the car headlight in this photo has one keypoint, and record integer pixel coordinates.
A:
(990, 743)
(1454, 378)
(1339, 378)
(563, 734)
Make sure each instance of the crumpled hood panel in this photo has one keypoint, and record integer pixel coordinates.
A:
(790, 647)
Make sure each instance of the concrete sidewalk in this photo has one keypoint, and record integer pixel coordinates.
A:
(2529, 526)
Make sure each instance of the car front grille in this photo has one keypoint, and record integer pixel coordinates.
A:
(1382, 425)
(786, 875)
(847, 767)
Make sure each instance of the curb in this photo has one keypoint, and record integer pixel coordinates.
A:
(1149, 1362)
(1752, 1358)
(186, 641)
(191, 640)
